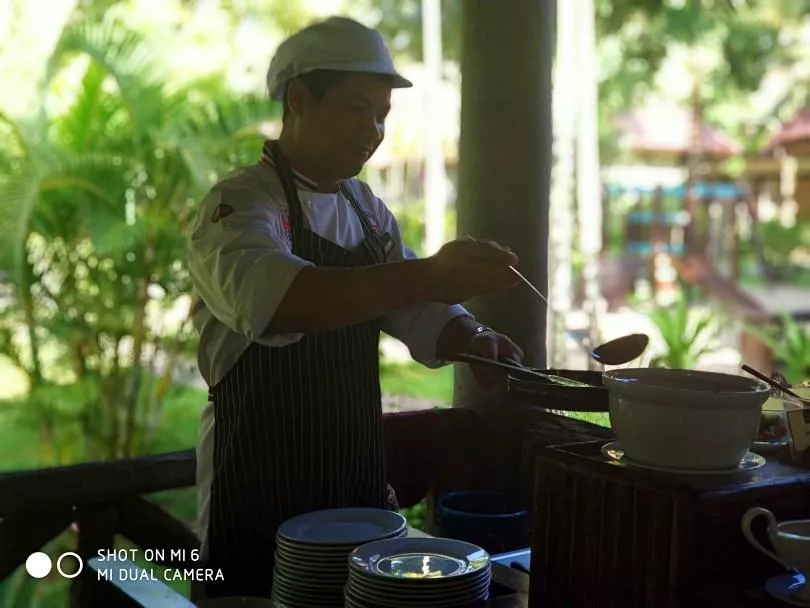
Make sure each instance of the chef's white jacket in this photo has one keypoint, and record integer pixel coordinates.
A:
(241, 265)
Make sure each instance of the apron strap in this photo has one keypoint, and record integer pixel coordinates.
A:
(287, 178)
(285, 174)
(372, 240)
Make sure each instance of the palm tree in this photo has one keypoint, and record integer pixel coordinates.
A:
(96, 192)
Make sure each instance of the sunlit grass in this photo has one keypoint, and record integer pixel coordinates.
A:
(414, 380)
(13, 382)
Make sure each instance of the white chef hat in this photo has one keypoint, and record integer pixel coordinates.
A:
(339, 44)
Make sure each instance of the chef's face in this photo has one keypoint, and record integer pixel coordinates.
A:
(341, 130)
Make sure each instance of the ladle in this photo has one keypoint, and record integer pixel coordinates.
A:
(615, 352)
(621, 350)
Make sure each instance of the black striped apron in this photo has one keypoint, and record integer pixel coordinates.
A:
(297, 428)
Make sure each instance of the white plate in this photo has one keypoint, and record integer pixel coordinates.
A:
(351, 526)
(283, 602)
(310, 581)
(781, 587)
(353, 601)
(312, 572)
(412, 593)
(749, 462)
(295, 595)
(419, 559)
(366, 580)
(396, 597)
(450, 600)
(302, 550)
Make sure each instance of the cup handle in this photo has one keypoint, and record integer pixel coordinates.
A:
(750, 515)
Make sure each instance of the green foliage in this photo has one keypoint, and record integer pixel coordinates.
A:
(416, 515)
(288, 16)
(21, 590)
(411, 219)
(400, 21)
(686, 334)
(745, 38)
(415, 380)
(789, 342)
(786, 247)
(96, 202)
(24, 430)
(635, 37)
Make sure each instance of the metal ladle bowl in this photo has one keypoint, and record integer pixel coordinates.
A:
(621, 350)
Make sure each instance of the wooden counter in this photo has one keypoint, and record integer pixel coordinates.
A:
(619, 536)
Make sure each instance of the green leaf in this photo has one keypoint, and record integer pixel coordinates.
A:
(123, 55)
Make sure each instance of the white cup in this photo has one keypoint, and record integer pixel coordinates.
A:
(790, 541)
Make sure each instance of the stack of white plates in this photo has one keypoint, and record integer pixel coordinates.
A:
(405, 572)
(313, 549)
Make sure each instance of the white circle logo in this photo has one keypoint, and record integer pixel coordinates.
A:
(59, 565)
(38, 565)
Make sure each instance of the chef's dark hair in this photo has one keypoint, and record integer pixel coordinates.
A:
(318, 83)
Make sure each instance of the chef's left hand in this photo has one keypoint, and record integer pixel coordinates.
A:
(493, 345)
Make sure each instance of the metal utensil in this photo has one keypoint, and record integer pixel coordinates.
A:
(518, 369)
(621, 350)
(773, 383)
(528, 284)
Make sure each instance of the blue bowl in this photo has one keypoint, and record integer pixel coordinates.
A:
(484, 519)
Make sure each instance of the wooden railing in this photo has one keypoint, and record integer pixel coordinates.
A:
(102, 500)
(428, 451)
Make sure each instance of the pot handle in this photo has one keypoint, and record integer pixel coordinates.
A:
(750, 515)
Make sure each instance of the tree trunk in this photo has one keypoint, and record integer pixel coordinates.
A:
(29, 314)
(693, 235)
(505, 160)
(139, 337)
(562, 200)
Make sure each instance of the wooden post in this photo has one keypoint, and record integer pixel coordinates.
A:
(504, 175)
(658, 241)
(96, 533)
(608, 222)
(735, 247)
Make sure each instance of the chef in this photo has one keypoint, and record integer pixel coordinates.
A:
(297, 267)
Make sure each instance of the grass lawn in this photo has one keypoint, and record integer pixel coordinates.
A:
(414, 380)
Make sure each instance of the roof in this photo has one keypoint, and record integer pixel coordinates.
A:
(665, 128)
(795, 130)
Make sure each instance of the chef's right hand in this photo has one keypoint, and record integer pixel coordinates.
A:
(466, 268)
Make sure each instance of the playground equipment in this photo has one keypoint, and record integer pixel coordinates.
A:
(703, 252)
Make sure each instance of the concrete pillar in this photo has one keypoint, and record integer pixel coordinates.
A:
(505, 159)
(504, 183)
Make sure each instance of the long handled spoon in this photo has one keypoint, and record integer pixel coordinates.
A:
(777, 385)
(615, 352)
(513, 367)
(528, 284)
